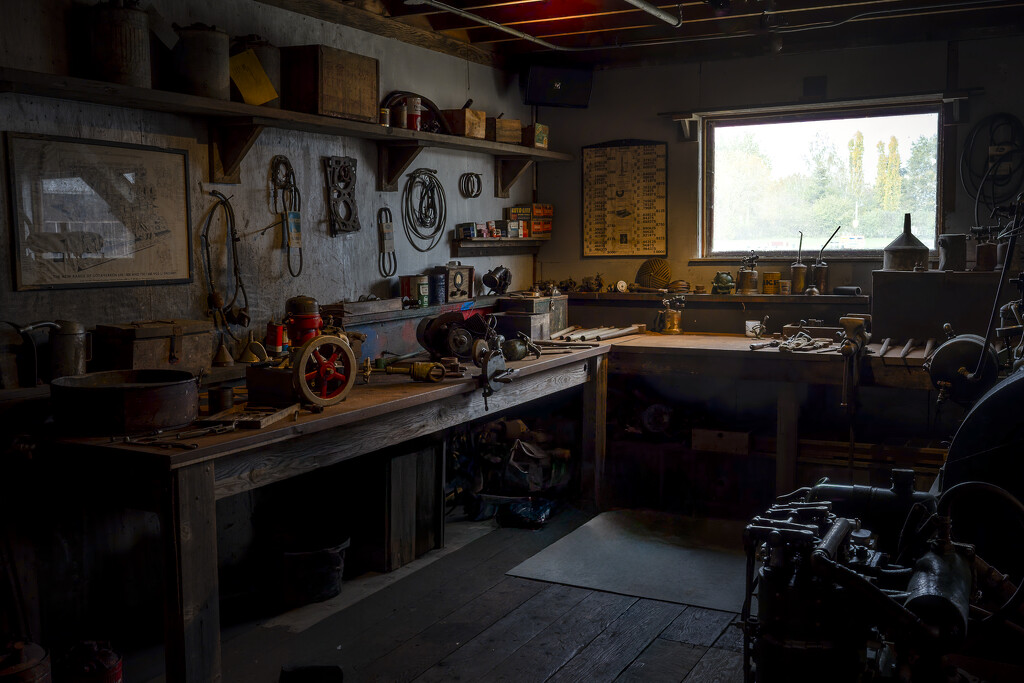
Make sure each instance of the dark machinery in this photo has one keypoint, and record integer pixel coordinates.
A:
(456, 334)
(858, 583)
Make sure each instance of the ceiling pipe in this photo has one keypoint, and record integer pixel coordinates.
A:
(876, 14)
(675, 22)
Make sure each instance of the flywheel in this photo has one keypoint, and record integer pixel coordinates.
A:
(325, 370)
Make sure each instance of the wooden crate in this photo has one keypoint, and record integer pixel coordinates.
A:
(468, 123)
(504, 130)
(317, 79)
(535, 136)
(169, 344)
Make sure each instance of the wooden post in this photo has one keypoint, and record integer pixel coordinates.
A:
(786, 438)
(593, 426)
(188, 528)
(400, 522)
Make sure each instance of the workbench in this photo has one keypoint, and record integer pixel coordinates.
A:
(182, 486)
(728, 356)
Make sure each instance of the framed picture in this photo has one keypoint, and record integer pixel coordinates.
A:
(624, 199)
(86, 213)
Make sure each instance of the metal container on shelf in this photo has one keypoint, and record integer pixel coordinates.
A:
(953, 252)
(906, 252)
(119, 44)
(70, 348)
(201, 62)
(270, 59)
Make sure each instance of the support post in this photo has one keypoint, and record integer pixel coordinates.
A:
(188, 529)
(593, 426)
(787, 441)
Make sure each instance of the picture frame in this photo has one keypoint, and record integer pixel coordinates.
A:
(92, 213)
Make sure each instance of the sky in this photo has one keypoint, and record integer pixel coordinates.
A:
(779, 140)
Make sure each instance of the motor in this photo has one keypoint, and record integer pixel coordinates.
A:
(840, 601)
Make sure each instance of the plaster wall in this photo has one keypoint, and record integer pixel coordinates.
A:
(335, 269)
(626, 102)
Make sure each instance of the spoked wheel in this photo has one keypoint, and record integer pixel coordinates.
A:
(325, 370)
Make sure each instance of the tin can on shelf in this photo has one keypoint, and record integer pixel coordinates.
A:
(398, 115)
(770, 282)
(413, 113)
(384, 117)
(416, 288)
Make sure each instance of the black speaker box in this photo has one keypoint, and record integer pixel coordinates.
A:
(552, 86)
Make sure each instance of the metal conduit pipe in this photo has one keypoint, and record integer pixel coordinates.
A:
(896, 12)
(675, 22)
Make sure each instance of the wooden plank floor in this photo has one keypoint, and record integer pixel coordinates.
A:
(462, 619)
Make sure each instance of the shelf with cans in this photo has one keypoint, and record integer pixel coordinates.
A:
(235, 127)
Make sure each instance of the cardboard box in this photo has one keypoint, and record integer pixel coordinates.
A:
(540, 228)
(317, 79)
(518, 213)
(504, 130)
(535, 136)
(468, 123)
(716, 441)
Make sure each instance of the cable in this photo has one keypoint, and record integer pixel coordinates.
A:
(214, 298)
(424, 209)
(1001, 131)
(282, 177)
(470, 185)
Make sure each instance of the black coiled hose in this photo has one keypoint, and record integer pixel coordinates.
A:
(424, 209)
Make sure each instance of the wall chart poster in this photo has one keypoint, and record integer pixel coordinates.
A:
(87, 213)
(624, 206)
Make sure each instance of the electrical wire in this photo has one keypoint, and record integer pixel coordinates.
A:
(219, 310)
(424, 209)
(977, 165)
(470, 185)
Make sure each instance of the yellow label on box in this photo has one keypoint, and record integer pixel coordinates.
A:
(250, 78)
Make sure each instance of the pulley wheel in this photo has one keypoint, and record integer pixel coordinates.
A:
(325, 370)
(460, 342)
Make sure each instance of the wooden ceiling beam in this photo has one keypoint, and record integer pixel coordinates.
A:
(398, 8)
(333, 11)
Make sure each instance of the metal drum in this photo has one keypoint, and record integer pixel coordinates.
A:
(125, 401)
(201, 62)
(119, 45)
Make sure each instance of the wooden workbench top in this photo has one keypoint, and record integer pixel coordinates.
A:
(729, 356)
(385, 394)
(732, 344)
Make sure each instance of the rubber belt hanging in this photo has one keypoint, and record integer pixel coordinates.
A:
(470, 185)
(387, 261)
(282, 177)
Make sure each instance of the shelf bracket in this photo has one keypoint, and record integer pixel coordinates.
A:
(230, 141)
(392, 160)
(507, 170)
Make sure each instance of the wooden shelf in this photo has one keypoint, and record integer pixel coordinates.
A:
(492, 246)
(235, 126)
(766, 299)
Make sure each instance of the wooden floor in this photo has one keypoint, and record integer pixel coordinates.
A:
(462, 619)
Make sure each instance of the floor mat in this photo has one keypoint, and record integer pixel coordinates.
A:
(649, 555)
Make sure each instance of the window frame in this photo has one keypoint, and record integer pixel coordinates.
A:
(926, 104)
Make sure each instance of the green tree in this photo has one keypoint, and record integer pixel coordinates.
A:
(889, 183)
(856, 164)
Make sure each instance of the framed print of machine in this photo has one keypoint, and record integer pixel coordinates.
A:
(624, 199)
(86, 213)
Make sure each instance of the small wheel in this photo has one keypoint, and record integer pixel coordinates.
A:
(325, 370)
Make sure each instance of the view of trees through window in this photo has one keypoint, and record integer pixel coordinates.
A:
(771, 180)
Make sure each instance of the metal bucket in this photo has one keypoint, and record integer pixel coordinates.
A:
(201, 62)
(125, 401)
(119, 45)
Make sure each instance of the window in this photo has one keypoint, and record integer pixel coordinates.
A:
(767, 177)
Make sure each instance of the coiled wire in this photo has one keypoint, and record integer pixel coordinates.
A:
(470, 185)
(424, 209)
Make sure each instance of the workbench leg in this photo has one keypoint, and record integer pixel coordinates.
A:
(787, 441)
(593, 425)
(188, 527)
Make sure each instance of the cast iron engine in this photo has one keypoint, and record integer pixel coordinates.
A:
(903, 600)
